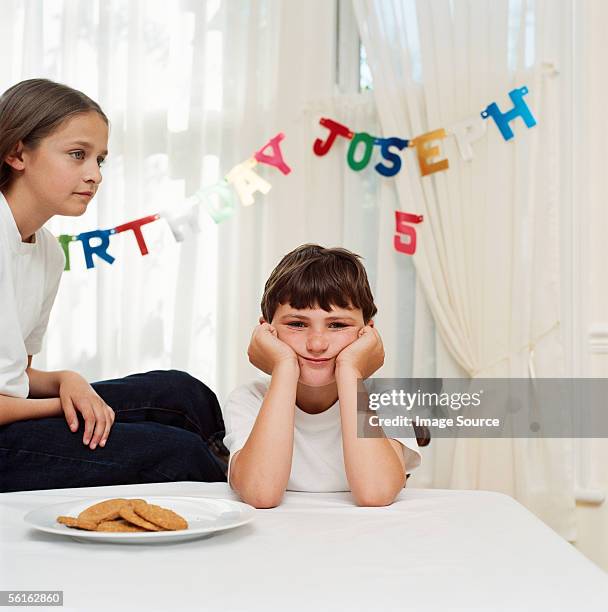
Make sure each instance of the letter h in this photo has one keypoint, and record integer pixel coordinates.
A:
(520, 109)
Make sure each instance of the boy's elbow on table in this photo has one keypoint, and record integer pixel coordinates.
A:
(260, 499)
(375, 499)
(256, 494)
(371, 496)
(263, 502)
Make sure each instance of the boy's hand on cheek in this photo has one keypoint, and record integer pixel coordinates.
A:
(266, 351)
(365, 355)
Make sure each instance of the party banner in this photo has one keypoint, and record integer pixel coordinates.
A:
(242, 182)
(428, 151)
(218, 200)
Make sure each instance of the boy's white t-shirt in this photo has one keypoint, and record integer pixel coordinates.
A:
(29, 279)
(318, 460)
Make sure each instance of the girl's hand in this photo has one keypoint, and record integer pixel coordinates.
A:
(266, 351)
(76, 394)
(365, 355)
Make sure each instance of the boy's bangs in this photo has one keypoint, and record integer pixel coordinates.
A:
(320, 286)
(313, 276)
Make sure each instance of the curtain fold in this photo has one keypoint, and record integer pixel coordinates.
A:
(191, 89)
(488, 249)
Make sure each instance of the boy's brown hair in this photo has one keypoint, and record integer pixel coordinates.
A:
(312, 276)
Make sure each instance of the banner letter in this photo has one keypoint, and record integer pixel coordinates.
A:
(219, 201)
(466, 132)
(246, 182)
(401, 221)
(64, 241)
(276, 159)
(335, 129)
(101, 250)
(368, 143)
(427, 153)
(385, 145)
(520, 109)
(182, 219)
(136, 227)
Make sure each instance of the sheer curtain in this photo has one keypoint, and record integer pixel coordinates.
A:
(191, 89)
(323, 200)
(366, 205)
(157, 70)
(488, 254)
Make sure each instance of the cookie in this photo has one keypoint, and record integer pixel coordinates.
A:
(127, 513)
(137, 502)
(107, 510)
(77, 523)
(119, 526)
(167, 519)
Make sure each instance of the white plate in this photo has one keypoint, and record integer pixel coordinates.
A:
(205, 515)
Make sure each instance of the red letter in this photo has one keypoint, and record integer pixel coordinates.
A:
(401, 220)
(335, 130)
(276, 159)
(136, 227)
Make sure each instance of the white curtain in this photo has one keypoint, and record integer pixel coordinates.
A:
(367, 203)
(191, 89)
(157, 69)
(194, 87)
(488, 249)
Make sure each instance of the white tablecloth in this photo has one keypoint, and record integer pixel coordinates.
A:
(430, 550)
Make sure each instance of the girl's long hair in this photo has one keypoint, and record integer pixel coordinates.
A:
(31, 110)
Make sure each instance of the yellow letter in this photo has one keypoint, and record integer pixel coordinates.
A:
(426, 153)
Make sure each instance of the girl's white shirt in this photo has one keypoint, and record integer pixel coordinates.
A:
(29, 279)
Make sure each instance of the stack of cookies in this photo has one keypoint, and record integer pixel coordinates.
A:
(125, 515)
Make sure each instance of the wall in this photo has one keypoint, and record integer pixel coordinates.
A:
(590, 289)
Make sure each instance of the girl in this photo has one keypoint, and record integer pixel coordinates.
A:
(57, 430)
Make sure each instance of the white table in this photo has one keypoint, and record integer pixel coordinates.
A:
(430, 550)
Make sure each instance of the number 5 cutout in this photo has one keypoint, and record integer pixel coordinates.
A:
(401, 227)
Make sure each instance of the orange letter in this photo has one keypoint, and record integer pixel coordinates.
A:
(426, 153)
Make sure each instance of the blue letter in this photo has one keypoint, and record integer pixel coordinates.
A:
(385, 144)
(519, 110)
(100, 250)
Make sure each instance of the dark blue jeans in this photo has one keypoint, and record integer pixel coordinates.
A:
(168, 427)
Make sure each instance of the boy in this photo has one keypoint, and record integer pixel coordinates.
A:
(298, 431)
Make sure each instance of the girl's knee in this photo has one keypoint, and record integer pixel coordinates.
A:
(187, 457)
(184, 383)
